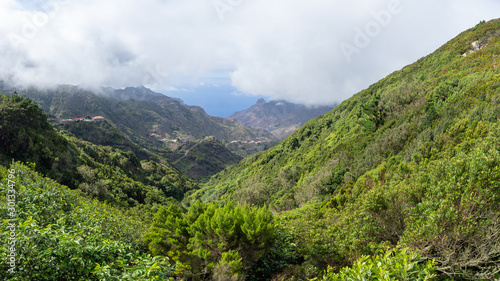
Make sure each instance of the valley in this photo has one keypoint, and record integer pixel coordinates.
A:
(401, 181)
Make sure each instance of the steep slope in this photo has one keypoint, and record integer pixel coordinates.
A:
(412, 161)
(146, 117)
(26, 135)
(102, 172)
(102, 133)
(150, 120)
(280, 118)
(394, 117)
(202, 158)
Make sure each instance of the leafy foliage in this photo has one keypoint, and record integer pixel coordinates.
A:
(25, 135)
(102, 172)
(398, 264)
(105, 134)
(225, 240)
(411, 161)
(62, 235)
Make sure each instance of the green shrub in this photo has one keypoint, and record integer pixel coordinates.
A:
(211, 236)
(62, 235)
(396, 264)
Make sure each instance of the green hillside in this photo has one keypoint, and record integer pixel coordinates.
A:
(146, 120)
(62, 235)
(202, 158)
(138, 119)
(196, 159)
(399, 182)
(390, 121)
(412, 160)
(102, 172)
(100, 133)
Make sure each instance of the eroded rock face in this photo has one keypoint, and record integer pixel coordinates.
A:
(476, 46)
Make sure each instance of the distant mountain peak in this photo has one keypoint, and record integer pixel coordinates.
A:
(279, 117)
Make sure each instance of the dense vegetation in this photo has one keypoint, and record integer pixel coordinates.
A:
(202, 158)
(197, 160)
(26, 135)
(105, 134)
(410, 161)
(397, 264)
(142, 115)
(400, 182)
(62, 235)
(210, 239)
(102, 172)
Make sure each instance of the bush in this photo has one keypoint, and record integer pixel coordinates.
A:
(62, 235)
(396, 264)
(211, 236)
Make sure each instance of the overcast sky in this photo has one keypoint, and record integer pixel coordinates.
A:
(309, 51)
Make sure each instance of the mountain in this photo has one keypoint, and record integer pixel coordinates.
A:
(109, 174)
(152, 116)
(136, 93)
(280, 118)
(151, 120)
(399, 182)
(411, 161)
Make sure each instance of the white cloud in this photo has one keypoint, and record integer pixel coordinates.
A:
(283, 49)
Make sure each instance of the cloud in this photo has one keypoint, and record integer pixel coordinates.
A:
(300, 57)
(282, 49)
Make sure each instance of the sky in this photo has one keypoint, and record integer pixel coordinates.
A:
(225, 54)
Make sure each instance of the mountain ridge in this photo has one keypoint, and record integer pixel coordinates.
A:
(151, 120)
(374, 110)
(410, 162)
(401, 181)
(279, 117)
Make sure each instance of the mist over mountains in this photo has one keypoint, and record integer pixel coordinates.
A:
(165, 125)
(280, 50)
(401, 181)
